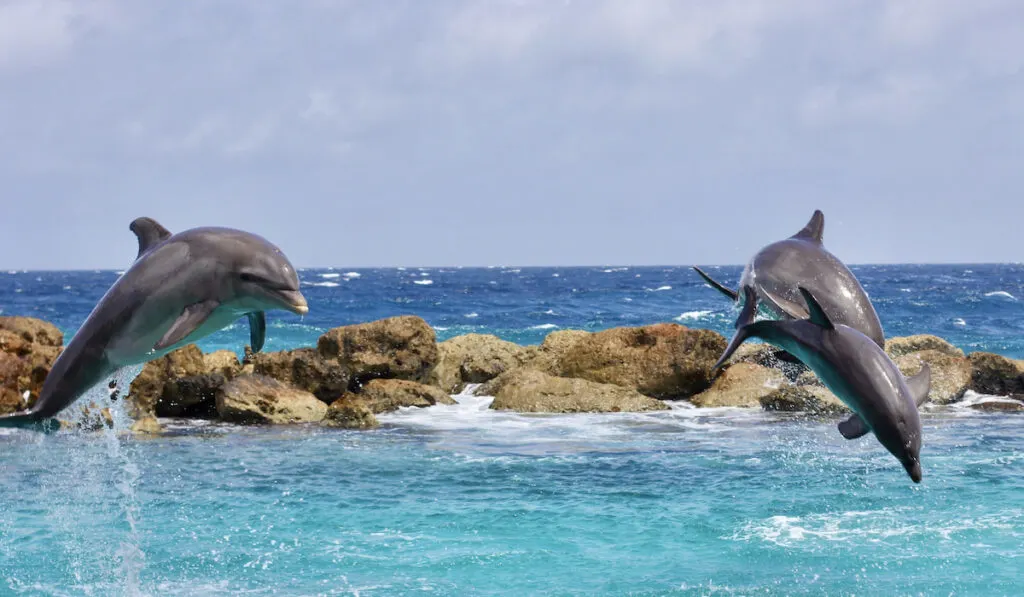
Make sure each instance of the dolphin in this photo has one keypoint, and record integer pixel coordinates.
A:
(776, 270)
(857, 371)
(180, 288)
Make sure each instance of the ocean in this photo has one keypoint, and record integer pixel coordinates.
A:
(462, 500)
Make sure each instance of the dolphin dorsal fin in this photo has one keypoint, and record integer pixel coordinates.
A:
(149, 232)
(817, 313)
(920, 384)
(814, 228)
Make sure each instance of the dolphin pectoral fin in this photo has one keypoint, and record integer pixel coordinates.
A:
(257, 330)
(732, 294)
(920, 384)
(814, 228)
(817, 313)
(853, 427)
(149, 232)
(189, 321)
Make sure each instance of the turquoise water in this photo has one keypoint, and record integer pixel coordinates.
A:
(461, 500)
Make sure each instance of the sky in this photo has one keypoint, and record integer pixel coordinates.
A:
(513, 132)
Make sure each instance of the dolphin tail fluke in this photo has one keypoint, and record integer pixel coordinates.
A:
(26, 419)
(920, 384)
(732, 294)
(745, 327)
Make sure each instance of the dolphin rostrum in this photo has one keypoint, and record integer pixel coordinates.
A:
(180, 288)
(854, 368)
(777, 269)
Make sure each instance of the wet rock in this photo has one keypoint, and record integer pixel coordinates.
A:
(305, 369)
(950, 377)
(903, 345)
(11, 401)
(531, 391)
(149, 386)
(741, 384)
(810, 399)
(386, 395)
(349, 412)
(999, 406)
(222, 362)
(191, 397)
(147, 426)
(995, 375)
(664, 360)
(256, 399)
(402, 347)
(473, 358)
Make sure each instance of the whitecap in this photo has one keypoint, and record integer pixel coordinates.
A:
(324, 284)
(401, 269)
(658, 289)
(471, 315)
(1001, 293)
(692, 315)
(960, 322)
(543, 326)
(423, 282)
(440, 328)
(549, 312)
(329, 275)
(554, 275)
(66, 287)
(424, 274)
(352, 274)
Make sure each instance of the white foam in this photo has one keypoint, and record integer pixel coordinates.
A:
(329, 275)
(959, 322)
(549, 312)
(692, 315)
(1001, 293)
(324, 284)
(352, 275)
(543, 326)
(471, 315)
(658, 289)
(554, 275)
(423, 282)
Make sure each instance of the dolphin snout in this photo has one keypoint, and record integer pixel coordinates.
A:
(914, 470)
(292, 300)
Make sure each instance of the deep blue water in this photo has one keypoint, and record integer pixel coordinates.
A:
(461, 500)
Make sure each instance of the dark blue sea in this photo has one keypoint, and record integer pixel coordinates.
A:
(462, 500)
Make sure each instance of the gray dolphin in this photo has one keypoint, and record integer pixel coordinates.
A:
(854, 368)
(180, 288)
(802, 260)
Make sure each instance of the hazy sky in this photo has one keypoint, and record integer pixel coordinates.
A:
(526, 132)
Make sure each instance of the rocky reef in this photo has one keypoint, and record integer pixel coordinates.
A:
(356, 372)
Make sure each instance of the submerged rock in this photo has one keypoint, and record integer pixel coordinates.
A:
(474, 358)
(531, 391)
(810, 399)
(904, 345)
(995, 375)
(255, 399)
(950, 376)
(402, 347)
(664, 360)
(386, 395)
(741, 384)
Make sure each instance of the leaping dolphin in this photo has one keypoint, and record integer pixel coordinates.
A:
(777, 269)
(854, 368)
(180, 288)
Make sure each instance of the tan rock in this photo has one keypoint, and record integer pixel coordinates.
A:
(950, 376)
(386, 395)
(529, 390)
(664, 360)
(999, 406)
(995, 374)
(33, 331)
(305, 369)
(147, 389)
(548, 356)
(348, 412)
(741, 384)
(473, 358)
(903, 345)
(223, 362)
(147, 426)
(811, 399)
(394, 348)
(254, 399)
(28, 349)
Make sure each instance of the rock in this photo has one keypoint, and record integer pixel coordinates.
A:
(386, 395)
(148, 387)
(741, 384)
(255, 399)
(33, 331)
(999, 406)
(394, 348)
(473, 358)
(903, 345)
(223, 362)
(305, 369)
(192, 397)
(147, 426)
(529, 390)
(995, 375)
(348, 412)
(28, 349)
(811, 399)
(951, 375)
(11, 401)
(548, 356)
(664, 360)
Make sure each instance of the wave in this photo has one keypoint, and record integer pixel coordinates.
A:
(693, 315)
(423, 282)
(471, 315)
(352, 274)
(658, 289)
(322, 284)
(1001, 293)
(329, 275)
(543, 326)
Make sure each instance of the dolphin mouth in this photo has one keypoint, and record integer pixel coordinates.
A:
(292, 300)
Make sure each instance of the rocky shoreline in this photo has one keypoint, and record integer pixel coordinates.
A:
(356, 372)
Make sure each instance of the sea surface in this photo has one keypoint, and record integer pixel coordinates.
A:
(462, 500)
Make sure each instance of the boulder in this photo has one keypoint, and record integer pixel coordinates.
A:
(741, 384)
(33, 331)
(995, 374)
(305, 369)
(223, 362)
(951, 375)
(529, 390)
(811, 399)
(149, 386)
(28, 349)
(349, 412)
(664, 360)
(1012, 406)
(256, 399)
(473, 358)
(147, 426)
(386, 395)
(904, 345)
(402, 347)
(548, 356)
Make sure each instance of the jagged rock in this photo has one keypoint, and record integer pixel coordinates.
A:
(999, 406)
(255, 399)
(811, 399)
(148, 388)
(223, 362)
(147, 426)
(33, 331)
(473, 358)
(386, 395)
(529, 390)
(305, 369)
(664, 360)
(402, 347)
(950, 377)
(741, 384)
(903, 345)
(996, 375)
(348, 412)
(548, 356)
(28, 349)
